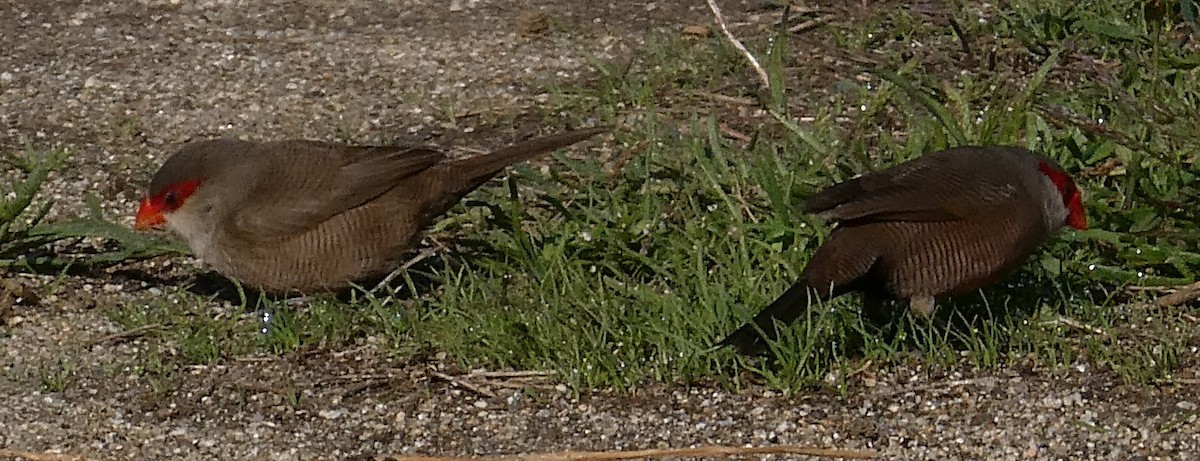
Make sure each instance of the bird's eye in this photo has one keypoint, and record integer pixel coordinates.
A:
(170, 200)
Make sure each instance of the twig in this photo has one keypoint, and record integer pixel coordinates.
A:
(762, 73)
(746, 208)
(41, 456)
(962, 36)
(614, 167)
(1078, 325)
(809, 24)
(255, 359)
(131, 333)
(725, 98)
(364, 385)
(801, 10)
(463, 383)
(1181, 295)
(1062, 117)
(513, 374)
(356, 377)
(340, 354)
(732, 133)
(861, 369)
(1155, 288)
(943, 385)
(711, 451)
(425, 253)
(517, 380)
(468, 113)
(522, 385)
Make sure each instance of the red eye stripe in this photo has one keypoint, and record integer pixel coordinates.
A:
(151, 210)
(1059, 178)
(172, 197)
(1076, 215)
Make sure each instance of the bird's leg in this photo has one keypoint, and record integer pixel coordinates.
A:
(922, 306)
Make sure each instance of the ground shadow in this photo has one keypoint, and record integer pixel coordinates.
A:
(423, 275)
(1012, 301)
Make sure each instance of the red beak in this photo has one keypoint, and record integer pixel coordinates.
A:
(148, 216)
(1077, 220)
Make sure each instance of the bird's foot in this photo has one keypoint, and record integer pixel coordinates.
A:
(922, 306)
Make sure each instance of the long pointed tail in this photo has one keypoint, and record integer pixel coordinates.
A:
(752, 337)
(834, 270)
(480, 168)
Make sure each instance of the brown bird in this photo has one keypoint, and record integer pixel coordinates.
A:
(313, 216)
(944, 224)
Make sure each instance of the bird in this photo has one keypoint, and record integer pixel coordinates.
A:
(302, 216)
(943, 224)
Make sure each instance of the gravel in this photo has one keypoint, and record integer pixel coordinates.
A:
(123, 83)
(347, 405)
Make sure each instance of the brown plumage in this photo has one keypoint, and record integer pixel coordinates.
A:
(311, 216)
(946, 223)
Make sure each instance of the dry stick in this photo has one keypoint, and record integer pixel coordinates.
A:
(356, 377)
(809, 24)
(861, 369)
(762, 73)
(1078, 325)
(1181, 295)
(942, 386)
(463, 383)
(364, 385)
(1157, 289)
(732, 133)
(425, 253)
(522, 385)
(724, 98)
(255, 359)
(513, 379)
(661, 453)
(1062, 117)
(43, 456)
(962, 36)
(800, 10)
(513, 374)
(746, 208)
(127, 334)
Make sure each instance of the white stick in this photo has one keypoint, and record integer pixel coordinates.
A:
(762, 74)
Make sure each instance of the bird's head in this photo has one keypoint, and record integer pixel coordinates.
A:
(192, 182)
(153, 210)
(1072, 200)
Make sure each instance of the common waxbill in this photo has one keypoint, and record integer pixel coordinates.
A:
(943, 224)
(313, 216)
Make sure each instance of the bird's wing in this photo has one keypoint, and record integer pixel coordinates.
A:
(314, 181)
(949, 185)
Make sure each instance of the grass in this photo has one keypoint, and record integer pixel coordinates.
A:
(624, 271)
(28, 243)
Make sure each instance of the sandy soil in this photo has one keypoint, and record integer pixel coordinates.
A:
(123, 83)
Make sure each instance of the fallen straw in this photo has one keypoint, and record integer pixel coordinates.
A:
(659, 453)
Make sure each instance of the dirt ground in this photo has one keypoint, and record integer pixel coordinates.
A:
(123, 83)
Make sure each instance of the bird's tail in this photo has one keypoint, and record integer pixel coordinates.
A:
(480, 168)
(752, 337)
(838, 267)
